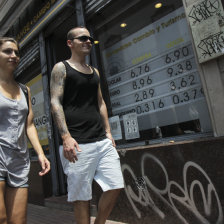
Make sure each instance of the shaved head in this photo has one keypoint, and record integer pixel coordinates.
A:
(72, 32)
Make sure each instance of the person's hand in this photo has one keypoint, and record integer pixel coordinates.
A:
(44, 163)
(69, 147)
(109, 135)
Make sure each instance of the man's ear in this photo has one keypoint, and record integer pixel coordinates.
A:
(69, 43)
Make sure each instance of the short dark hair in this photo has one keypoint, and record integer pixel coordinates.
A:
(5, 39)
(70, 34)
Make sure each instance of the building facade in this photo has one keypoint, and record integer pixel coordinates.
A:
(162, 78)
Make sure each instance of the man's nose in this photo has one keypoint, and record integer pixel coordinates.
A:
(13, 53)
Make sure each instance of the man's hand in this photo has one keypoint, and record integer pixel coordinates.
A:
(69, 146)
(44, 163)
(109, 135)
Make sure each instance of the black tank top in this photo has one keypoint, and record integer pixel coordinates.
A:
(80, 104)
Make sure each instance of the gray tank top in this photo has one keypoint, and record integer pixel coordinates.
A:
(14, 156)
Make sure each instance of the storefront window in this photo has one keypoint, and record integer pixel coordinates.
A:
(40, 119)
(154, 88)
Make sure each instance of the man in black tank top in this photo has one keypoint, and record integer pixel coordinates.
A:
(87, 148)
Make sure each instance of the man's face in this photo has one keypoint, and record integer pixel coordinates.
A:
(81, 41)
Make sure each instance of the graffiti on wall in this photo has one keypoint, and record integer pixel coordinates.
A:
(206, 18)
(173, 193)
(203, 10)
(212, 44)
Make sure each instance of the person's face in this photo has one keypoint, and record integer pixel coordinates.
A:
(9, 55)
(81, 41)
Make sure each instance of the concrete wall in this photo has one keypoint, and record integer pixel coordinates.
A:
(212, 81)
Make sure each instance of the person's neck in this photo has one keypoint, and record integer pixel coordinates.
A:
(80, 61)
(7, 77)
(80, 64)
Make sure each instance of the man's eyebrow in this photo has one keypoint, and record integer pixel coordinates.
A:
(8, 48)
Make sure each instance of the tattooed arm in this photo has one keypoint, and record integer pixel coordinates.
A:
(58, 76)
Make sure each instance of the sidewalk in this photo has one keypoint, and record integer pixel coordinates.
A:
(40, 214)
(44, 215)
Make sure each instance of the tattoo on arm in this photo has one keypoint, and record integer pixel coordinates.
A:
(58, 76)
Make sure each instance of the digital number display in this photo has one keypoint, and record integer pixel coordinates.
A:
(168, 80)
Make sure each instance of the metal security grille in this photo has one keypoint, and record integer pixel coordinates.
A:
(28, 57)
(92, 6)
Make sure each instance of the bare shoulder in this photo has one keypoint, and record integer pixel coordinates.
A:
(59, 69)
(28, 88)
(96, 70)
(59, 65)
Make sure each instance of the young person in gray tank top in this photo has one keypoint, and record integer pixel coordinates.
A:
(87, 148)
(16, 122)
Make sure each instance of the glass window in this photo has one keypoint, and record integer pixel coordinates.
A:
(40, 118)
(154, 89)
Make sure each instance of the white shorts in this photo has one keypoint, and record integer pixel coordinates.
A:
(99, 161)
